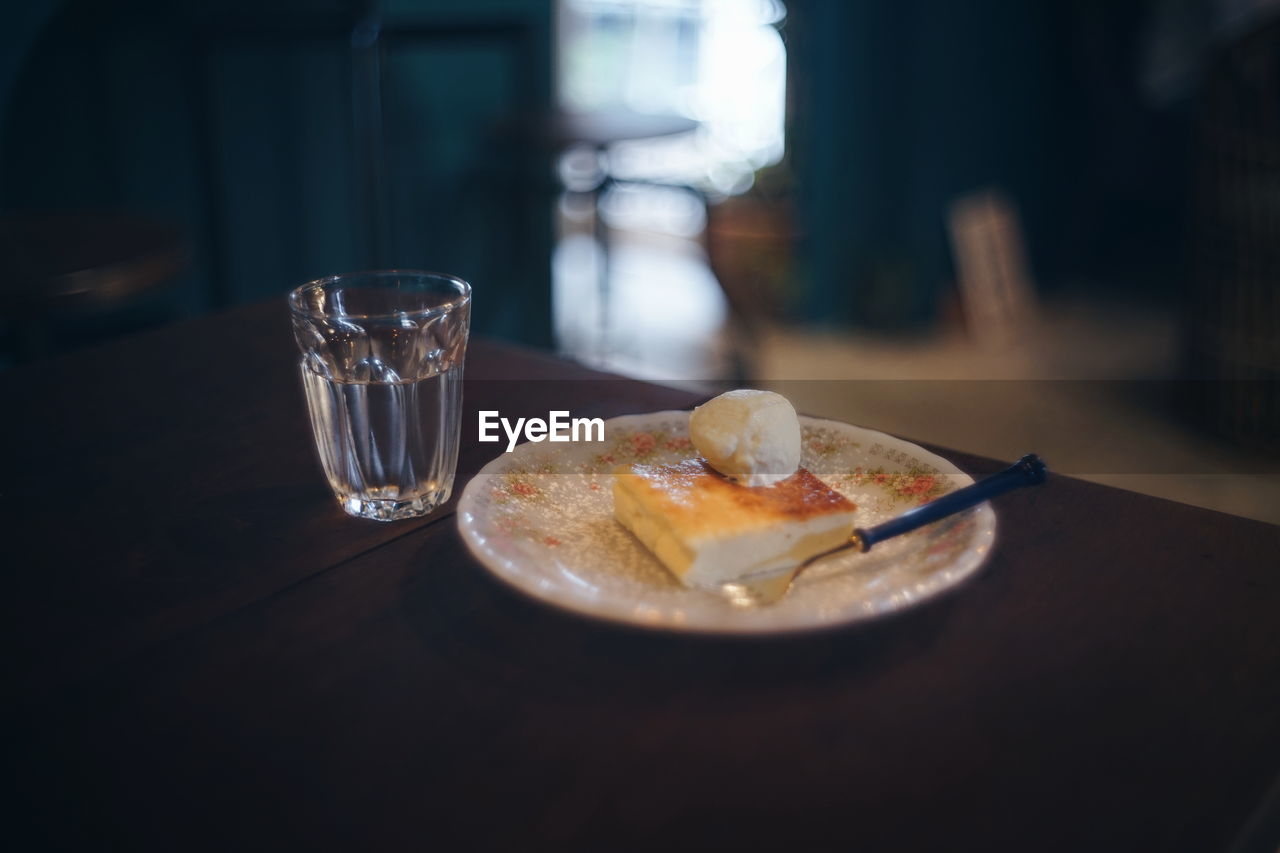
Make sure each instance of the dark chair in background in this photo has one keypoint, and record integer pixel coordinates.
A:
(1232, 319)
(283, 140)
(67, 280)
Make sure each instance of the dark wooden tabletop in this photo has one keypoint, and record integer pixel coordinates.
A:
(205, 653)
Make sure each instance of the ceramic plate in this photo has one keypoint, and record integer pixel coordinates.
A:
(541, 519)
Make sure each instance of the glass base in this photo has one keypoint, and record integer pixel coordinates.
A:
(382, 509)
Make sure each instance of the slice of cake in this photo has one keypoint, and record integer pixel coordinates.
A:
(709, 530)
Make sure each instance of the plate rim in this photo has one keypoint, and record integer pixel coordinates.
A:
(978, 554)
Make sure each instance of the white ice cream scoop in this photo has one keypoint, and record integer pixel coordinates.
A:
(751, 436)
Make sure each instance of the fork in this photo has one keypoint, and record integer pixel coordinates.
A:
(768, 588)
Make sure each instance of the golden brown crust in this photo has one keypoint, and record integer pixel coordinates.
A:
(697, 499)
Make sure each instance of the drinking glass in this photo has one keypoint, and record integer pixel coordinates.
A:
(381, 365)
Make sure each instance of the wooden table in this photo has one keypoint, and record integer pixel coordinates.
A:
(205, 653)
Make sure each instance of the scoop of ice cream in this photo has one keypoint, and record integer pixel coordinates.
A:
(751, 436)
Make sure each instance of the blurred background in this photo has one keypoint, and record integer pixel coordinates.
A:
(998, 226)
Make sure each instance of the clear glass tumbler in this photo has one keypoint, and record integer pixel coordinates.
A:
(382, 356)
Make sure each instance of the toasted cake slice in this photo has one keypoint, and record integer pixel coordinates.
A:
(709, 530)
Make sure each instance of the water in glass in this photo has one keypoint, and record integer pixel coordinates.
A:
(388, 446)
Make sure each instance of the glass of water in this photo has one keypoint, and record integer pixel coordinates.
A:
(381, 365)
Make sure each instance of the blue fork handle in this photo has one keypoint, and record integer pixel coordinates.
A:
(1027, 471)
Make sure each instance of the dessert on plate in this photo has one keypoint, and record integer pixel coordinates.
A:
(745, 507)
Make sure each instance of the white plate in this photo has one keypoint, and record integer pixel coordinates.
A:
(541, 519)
